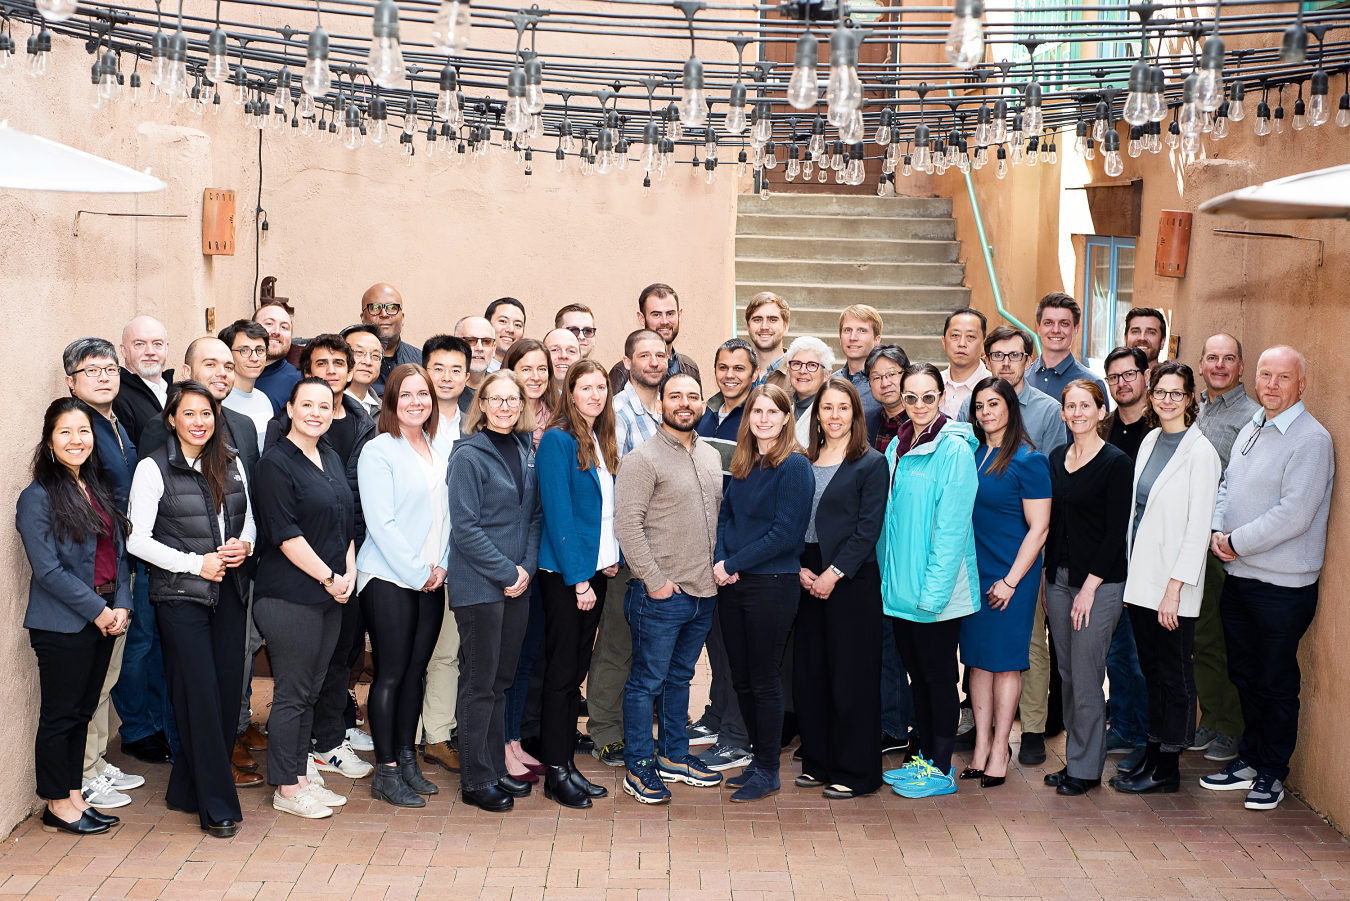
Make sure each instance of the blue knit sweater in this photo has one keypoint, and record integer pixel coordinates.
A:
(761, 527)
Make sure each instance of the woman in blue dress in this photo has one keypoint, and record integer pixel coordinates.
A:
(1012, 518)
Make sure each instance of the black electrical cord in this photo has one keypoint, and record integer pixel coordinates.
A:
(259, 224)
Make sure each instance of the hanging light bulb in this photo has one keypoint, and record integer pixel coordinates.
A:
(534, 86)
(1155, 137)
(1221, 121)
(998, 131)
(197, 107)
(852, 130)
(385, 65)
(742, 164)
(283, 90)
(1237, 110)
(1189, 118)
(693, 105)
(881, 185)
(175, 75)
(515, 119)
(240, 85)
(1080, 139)
(1300, 112)
(816, 146)
(762, 130)
(803, 91)
(96, 100)
(410, 114)
(135, 88)
(1262, 118)
(1099, 122)
(264, 115)
(1017, 156)
(379, 121)
(6, 50)
(307, 108)
(57, 10)
(981, 158)
(1139, 103)
(217, 56)
(317, 79)
(855, 174)
(735, 119)
(1111, 150)
(770, 155)
(1157, 97)
(883, 135)
(1319, 111)
(907, 165)
(351, 135)
(1209, 82)
(1294, 47)
(451, 27)
(1090, 153)
(964, 46)
(843, 90)
(1279, 118)
(447, 101)
(1136, 145)
(1002, 170)
(921, 147)
(649, 148)
(1045, 143)
(159, 57)
(1343, 110)
(1032, 119)
(982, 128)
(1054, 154)
(709, 144)
(794, 166)
(109, 87)
(1016, 139)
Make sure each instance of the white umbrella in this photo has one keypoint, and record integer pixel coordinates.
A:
(1323, 194)
(30, 163)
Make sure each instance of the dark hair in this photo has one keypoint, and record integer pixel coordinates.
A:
(388, 418)
(72, 517)
(927, 369)
(1062, 301)
(966, 311)
(330, 342)
(1148, 313)
(571, 308)
(656, 290)
(893, 352)
(492, 307)
(81, 349)
(216, 455)
(1136, 354)
(665, 379)
(1187, 376)
(1007, 333)
(747, 455)
(568, 418)
(365, 327)
(1016, 433)
(310, 380)
(246, 327)
(517, 353)
(642, 334)
(731, 345)
(448, 343)
(857, 436)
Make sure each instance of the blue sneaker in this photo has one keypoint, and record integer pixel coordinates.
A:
(892, 777)
(926, 782)
(1237, 776)
(643, 783)
(686, 769)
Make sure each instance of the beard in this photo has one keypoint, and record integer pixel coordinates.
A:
(151, 372)
(676, 425)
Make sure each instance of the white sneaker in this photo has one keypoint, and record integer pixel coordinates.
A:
(967, 721)
(359, 740)
(120, 780)
(98, 792)
(312, 771)
(326, 798)
(342, 759)
(301, 804)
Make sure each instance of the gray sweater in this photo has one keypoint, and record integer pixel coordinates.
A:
(1274, 501)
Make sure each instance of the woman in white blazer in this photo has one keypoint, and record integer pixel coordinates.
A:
(1176, 481)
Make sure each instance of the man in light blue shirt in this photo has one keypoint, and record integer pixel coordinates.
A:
(1058, 320)
(1008, 353)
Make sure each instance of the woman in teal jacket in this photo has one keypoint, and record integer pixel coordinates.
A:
(929, 577)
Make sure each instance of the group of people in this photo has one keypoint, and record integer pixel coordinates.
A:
(505, 519)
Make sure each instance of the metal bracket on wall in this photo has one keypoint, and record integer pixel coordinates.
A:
(75, 226)
(1321, 250)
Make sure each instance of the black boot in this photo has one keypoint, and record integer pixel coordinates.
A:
(1163, 776)
(590, 788)
(412, 773)
(388, 785)
(558, 786)
(1145, 765)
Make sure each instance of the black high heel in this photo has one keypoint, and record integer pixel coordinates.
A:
(971, 773)
(987, 781)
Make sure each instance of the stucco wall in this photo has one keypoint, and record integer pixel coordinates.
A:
(450, 239)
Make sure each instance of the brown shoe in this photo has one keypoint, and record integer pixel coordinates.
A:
(253, 738)
(241, 758)
(245, 779)
(443, 754)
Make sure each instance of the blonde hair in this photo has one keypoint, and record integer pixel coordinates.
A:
(863, 313)
(477, 419)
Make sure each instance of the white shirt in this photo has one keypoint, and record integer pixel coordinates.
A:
(438, 536)
(494, 364)
(448, 431)
(956, 391)
(609, 543)
(253, 404)
(371, 402)
(147, 488)
(159, 388)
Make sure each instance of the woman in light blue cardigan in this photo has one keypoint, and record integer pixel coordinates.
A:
(400, 570)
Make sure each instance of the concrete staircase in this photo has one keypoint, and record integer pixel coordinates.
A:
(823, 252)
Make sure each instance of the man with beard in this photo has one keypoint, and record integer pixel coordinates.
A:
(481, 337)
(382, 307)
(766, 323)
(658, 311)
(1127, 379)
(636, 408)
(278, 376)
(144, 385)
(1146, 328)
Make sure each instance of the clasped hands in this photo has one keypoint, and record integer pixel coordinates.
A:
(228, 556)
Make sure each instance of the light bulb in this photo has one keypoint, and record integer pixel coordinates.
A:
(353, 137)
(451, 27)
(1114, 164)
(854, 174)
(806, 168)
(770, 156)
(1237, 110)
(307, 127)
(1318, 110)
(1189, 120)
(981, 158)
(762, 130)
(57, 10)
(534, 86)
(515, 118)
(1054, 154)
(385, 64)
(824, 174)
(109, 88)
(1209, 84)
(1002, 170)
(906, 166)
(843, 90)
(852, 129)
(793, 169)
(1080, 143)
(1138, 103)
(803, 91)
(217, 56)
(1262, 126)
(693, 105)
(1221, 128)
(1279, 120)
(964, 46)
(763, 189)
(317, 79)
(1098, 130)
(921, 157)
(1343, 114)
(734, 123)
(881, 187)
(1090, 153)
(1016, 152)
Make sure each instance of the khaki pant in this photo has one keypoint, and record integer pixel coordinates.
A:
(1035, 701)
(1220, 708)
(96, 744)
(610, 664)
(442, 687)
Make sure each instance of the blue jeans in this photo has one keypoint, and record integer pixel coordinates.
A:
(668, 636)
(897, 704)
(141, 694)
(1129, 692)
(529, 650)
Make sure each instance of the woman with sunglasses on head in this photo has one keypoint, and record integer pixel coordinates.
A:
(1085, 576)
(807, 365)
(929, 576)
(494, 551)
(1176, 484)
(192, 522)
(79, 601)
(1012, 517)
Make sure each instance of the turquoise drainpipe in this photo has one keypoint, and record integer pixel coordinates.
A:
(989, 265)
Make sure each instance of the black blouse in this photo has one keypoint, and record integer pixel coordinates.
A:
(1089, 515)
(294, 498)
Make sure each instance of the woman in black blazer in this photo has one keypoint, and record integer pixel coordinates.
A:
(79, 601)
(840, 602)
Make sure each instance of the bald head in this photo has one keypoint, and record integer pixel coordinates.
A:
(210, 362)
(145, 347)
(382, 307)
(481, 337)
(1221, 364)
(1281, 378)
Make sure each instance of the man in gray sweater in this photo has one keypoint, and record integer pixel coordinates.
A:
(1270, 529)
(666, 499)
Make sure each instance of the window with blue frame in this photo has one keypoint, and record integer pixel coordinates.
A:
(1108, 294)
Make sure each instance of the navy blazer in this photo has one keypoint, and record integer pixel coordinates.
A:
(850, 513)
(570, 543)
(61, 595)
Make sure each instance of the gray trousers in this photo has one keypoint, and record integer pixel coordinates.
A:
(253, 642)
(610, 664)
(490, 636)
(300, 642)
(1082, 666)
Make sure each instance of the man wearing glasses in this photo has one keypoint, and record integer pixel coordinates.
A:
(144, 383)
(247, 341)
(382, 307)
(578, 319)
(1270, 529)
(481, 337)
(367, 357)
(1008, 353)
(1127, 380)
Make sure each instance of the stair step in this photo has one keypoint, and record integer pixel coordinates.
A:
(838, 226)
(847, 272)
(846, 249)
(847, 205)
(908, 297)
(825, 320)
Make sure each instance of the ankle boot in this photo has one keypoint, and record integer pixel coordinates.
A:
(590, 788)
(388, 785)
(412, 773)
(1145, 765)
(558, 786)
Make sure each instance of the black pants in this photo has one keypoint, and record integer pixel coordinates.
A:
(1169, 676)
(756, 614)
(1262, 626)
(300, 639)
(204, 662)
(330, 723)
(403, 625)
(928, 651)
(837, 679)
(490, 636)
(569, 637)
(71, 670)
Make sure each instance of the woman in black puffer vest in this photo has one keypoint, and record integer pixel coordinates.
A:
(191, 521)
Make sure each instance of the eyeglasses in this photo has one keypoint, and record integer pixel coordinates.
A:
(912, 399)
(805, 366)
(1128, 376)
(883, 378)
(1252, 440)
(1163, 394)
(580, 332)
(1012, 356)
(94, 372)
(373, 356)
(251, 352)
(379, 309)
(480, 342)
(497, 403)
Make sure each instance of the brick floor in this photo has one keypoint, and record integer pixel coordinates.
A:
(1020, 840)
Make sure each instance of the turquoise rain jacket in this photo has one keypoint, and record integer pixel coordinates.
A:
(927, 546)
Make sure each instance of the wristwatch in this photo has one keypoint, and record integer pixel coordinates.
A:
(838, 573)
(328, 582)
